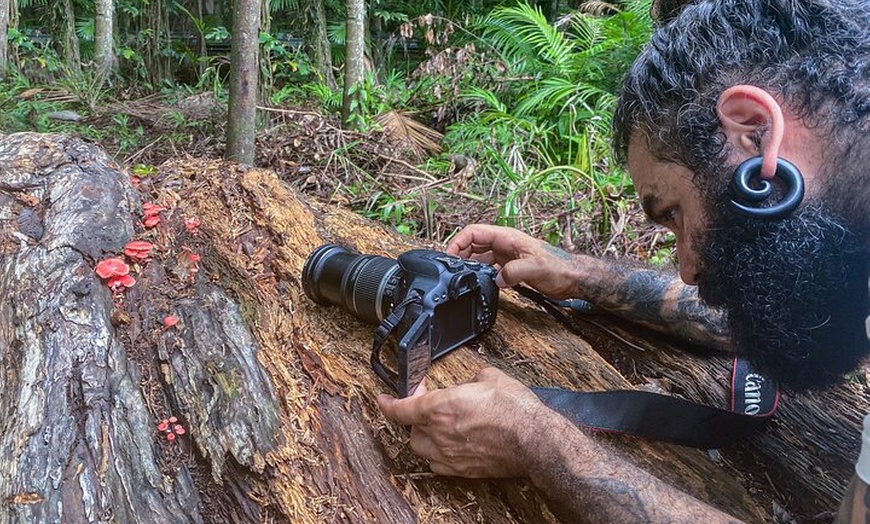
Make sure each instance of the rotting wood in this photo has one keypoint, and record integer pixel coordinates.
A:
(275, 391)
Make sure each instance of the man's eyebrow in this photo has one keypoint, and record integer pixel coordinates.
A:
(650, 203)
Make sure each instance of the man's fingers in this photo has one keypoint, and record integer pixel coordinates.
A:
(517, 271)
(473, 239)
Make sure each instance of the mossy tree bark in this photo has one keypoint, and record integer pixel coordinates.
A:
(354, 61)
(275, 392)
(104, 37)
(244, 71)
(4, 31)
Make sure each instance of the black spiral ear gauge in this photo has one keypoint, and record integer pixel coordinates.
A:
(747, 200)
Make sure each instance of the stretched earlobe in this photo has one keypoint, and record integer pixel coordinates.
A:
(747, 200)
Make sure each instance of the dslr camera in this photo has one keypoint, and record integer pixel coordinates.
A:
(432, 301)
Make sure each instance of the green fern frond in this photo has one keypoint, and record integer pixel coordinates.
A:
(487, 97)
(524, 34)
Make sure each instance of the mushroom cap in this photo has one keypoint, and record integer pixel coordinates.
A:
(139, 245)
(123, 280)
(112, 267)
(138, 249)
(150, 209)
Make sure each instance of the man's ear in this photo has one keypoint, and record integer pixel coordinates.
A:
(742, 110)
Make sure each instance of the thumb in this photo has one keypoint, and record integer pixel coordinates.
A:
(420, 390)
(405, 411)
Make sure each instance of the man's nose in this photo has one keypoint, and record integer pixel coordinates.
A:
(688, 263)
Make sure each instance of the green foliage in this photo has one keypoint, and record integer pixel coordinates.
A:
(528, 100)
(283, 63)
(388, 209)
(540, 130)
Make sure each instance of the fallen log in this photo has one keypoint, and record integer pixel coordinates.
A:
(272, 395)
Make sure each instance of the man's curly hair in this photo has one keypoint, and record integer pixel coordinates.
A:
(813, 55)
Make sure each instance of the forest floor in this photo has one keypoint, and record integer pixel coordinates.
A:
(314, 155)
(367, 172)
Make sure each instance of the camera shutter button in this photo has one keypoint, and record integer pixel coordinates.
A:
(452, 263)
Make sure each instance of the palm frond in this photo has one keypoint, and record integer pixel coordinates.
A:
(598, 7)
(487, 97)
(403, 129)
(524, 34)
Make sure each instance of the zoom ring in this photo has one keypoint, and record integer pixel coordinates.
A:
(370, 285)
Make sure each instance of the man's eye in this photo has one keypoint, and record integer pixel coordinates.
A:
(667, 216)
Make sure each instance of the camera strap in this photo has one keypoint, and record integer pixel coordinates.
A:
(754, 400)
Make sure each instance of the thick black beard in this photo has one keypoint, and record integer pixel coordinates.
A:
(795, 292)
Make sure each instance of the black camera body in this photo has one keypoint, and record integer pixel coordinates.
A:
(434, 302)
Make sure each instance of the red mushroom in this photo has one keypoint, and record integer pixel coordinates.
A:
(112, 267)
(152, 214)
(138, 250)
(150, 209)
(170, 320)
(192, 225)
(151, 221)
(121, 281)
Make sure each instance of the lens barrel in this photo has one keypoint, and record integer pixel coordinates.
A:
(363, 284)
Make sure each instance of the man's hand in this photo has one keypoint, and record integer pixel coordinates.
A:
(480, 429)
(519, 257)
(493, 426)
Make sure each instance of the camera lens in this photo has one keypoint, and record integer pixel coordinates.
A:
(363, 284)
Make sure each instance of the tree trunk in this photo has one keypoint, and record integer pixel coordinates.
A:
(104, 48)
(266, 69)
(4, 30)
(244, 68)
(202, 64)
(274, 392)
(71, 53)
(354, 67)
(318, 41)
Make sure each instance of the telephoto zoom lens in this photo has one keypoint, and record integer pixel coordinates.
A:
(363, 284)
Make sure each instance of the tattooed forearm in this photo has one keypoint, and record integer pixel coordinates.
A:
(855, 508)
(584, 482)
(560, 253)
(693, 320)
(652, 298)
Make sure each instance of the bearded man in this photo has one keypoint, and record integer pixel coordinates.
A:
(722, 82)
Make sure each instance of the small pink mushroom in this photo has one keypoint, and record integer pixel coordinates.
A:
(138, 250)
(112, 267)
(192, 225)
(121, 281)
